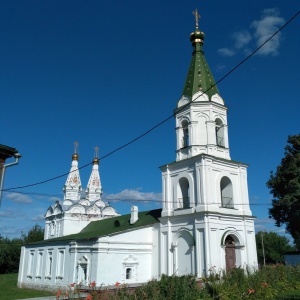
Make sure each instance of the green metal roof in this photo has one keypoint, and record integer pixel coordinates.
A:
(199, 76)
(110, 226)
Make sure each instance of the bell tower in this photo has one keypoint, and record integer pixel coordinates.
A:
(203, 177)
(201, 115)
(206, 217)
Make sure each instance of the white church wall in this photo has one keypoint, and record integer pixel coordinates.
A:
(128, 256)
(44, 266)
(207, 231)
(129, 250)
(74, 224)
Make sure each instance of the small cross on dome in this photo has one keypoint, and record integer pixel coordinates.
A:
(197, 17)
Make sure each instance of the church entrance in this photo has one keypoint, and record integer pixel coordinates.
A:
(230, 254)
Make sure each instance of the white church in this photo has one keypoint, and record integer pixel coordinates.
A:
(205, 221)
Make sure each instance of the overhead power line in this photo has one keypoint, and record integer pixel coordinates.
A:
(115, 199)
(165, 120)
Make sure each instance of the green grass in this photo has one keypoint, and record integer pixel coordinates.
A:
(10, 291)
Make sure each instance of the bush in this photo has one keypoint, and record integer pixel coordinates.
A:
(272, 282)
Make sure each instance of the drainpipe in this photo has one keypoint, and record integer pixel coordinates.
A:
(3, 166)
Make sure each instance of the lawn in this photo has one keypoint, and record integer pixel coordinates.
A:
(10, 291)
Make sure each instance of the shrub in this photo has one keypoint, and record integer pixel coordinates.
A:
(269, 282)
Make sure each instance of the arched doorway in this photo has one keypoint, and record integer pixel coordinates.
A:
(230, 254)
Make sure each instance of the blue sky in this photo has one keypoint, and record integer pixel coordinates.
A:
(103, 72)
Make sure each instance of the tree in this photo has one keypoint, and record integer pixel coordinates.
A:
(271, 246)
(35, 234)
(285, 188)
(10, 249)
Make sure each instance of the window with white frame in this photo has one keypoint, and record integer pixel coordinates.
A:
(49, 265)
(130, 269)
(39, 266)
(128, 273)
(185, 134)
(52, 228)
(30, 265)
(183, 193)
(220, 139)
(226, 192)
(60, 263)
(83, 270)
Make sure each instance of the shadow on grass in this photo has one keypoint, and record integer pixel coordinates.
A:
(10, 291)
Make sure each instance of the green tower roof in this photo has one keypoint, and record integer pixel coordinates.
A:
(199, 76)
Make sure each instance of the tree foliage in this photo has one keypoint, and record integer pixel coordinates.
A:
(35, 234)
(272, 246)
(10, 249)
(285, 188)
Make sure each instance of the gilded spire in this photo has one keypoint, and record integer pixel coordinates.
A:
(96, 159)
(72, 188)
(75, 155)
(94, 188)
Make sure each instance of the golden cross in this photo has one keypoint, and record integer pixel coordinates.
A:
(96, 151)
(76, 146)
(197, 17)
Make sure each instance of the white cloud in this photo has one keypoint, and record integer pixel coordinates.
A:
(241, 39)
(38, 218)
(268, 224)
(54, 199)
(226, 52)
(7, 213)
(9, 231)
(19, 198)
(264, 28)
(134, 195)
(268, 24)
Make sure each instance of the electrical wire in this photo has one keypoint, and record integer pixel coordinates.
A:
(165, 120)
(108, 199)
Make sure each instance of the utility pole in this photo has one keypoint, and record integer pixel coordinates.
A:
(263, 247)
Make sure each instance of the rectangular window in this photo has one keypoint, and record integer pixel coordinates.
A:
(30, 264)
(60, 264)
(128, 273)
(39, 266)
(49, 265)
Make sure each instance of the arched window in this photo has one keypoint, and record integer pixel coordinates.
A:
(226, 192)
(117, 223)
(52, 228)
(183, 193)
(83, 270)
(185, 136)
(220, 133)
(128, 273)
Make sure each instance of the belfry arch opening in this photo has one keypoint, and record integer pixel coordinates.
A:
(220, 139)
(185, 134)
(226, 192)
(183, 193)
